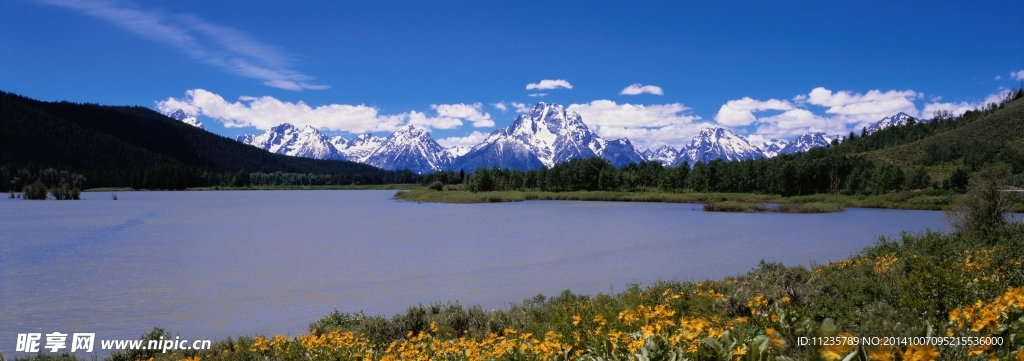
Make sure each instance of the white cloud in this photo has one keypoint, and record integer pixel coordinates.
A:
(425, 121)
(962, 107)
(795, 122)
(471, 112)
(500, 106)
(872, 105)
(1017, 75)
(221, 46)
(547, 84)
(637, 89)
(646, 126)
(1001, 78)
(470, 140)
(267, 112)
(844, 110)
(538, 95)
(520, 107)
(741, 112)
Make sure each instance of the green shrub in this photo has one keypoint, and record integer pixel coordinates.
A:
(36, 190)
(733, 206)
(813, 207)
(65, 192)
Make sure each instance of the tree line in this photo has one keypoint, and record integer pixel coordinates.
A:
(783, 175)
(173, 177)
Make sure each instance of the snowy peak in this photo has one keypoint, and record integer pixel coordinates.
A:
(459, 150)
(773, 147)
(618, 152)
(719, 143)
(186, 118)
(288, 140)
(807, 141)
(359, 148)
(545, 135)
(666, 155)
(410, 148)
(899, 119)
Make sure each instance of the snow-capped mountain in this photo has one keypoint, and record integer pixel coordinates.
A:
(719, 143)
(186, 118)
(807, 141)
(545, 135)
(288, 140)
(665, 154)
(773, 147)
(410, 148)
(359, 148)
(899, 119)
(459, 150)
(618, 152)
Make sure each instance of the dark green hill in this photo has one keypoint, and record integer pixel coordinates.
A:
(107, 142)
(995, 134)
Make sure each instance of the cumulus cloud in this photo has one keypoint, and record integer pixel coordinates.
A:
(266, 112)
(221, 46)
(547, 84)
(500, 106)
(520, 107)
(646, 126)
(795, 122)
(874, 104)
(537, 95)
(958, 108)
(741, 112)
(845, 110)
(1017, 75)
(471, 112)
(1001, 78)
(637, 89)
(470, 140)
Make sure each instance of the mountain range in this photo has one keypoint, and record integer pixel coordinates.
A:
(541, 137)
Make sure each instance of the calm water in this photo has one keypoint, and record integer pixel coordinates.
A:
(217, 264)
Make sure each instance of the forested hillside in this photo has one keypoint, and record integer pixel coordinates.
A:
(121, 146)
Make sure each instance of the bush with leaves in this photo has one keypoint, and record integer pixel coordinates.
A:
(36, 190)
(981, 212)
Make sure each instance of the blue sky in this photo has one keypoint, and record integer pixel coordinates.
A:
(462, 69)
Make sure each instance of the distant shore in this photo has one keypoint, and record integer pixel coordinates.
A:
(899, 200)
(275, 188)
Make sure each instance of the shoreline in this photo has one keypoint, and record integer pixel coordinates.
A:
(265, 188)
(933, 201)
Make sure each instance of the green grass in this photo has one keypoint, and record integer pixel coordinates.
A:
(919, 200)
(810, 207)
(735, 207)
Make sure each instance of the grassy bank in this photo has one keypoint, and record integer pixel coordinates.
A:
(916, 285)
(923, 200)
(741, 207)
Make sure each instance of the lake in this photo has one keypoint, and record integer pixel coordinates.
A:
(228, 263)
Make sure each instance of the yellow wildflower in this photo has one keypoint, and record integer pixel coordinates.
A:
(920, 353)
(881, 353)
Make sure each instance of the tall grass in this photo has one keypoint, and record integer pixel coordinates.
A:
(811, 207)
(923, 200)
(733, 206)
